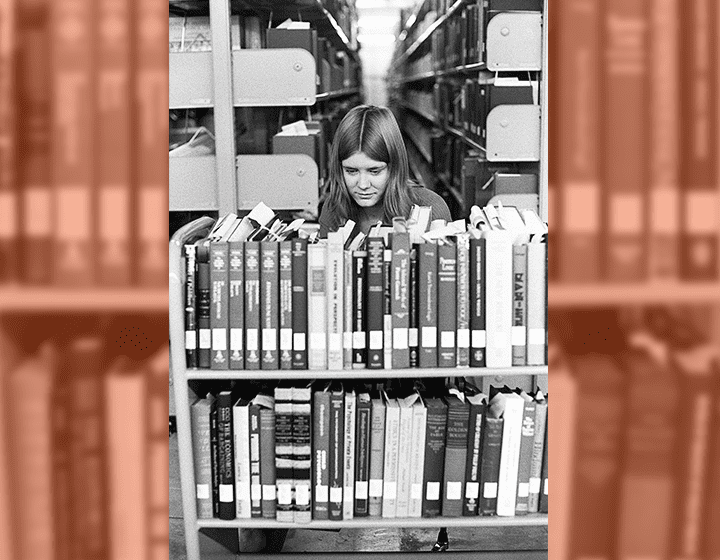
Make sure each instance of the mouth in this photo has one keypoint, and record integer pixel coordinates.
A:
(365, 195)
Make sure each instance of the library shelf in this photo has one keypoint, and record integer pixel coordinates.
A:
(610, 294)
(193, 183)
(534, 519)
(53, 299)
(191, 79)
(427, 116)
(423, 151)
(337, 94)
(209, 374)
(431, 75)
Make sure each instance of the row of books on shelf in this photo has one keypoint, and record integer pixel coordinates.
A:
(338, 451)
(83, 189)
(86, 452)
(258, 295)
(634, 175)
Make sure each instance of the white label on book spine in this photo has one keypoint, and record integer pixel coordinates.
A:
(413, 337)
(321, 493)
(626, 214)
(490, 490)
(317, 341)
(376, 488)
(302, 494)
(664, 214)
(429, 337)
(400, 339)
(114, 213)
(472, 490)
(390, 490)
(190, 340)
(701, 212)
(454, 490)
(479, 339)
(376, 340)
(433, 491)
(447, 339)
(518, 336)
(268, 492)
(236, 340)
(284, 494)
(336, 495)
(73, 214)
(581, 208)
(416, 491)
(536, 336)
(535, 485)
(226, 493)
(358, 340)
(269, 340)
(205, 341)
(361, 489)
(8, 216)
(299, 342)
(251, 340)
(463, 338)
(523, 490)
(286, 339)
(335, 342)
(202, 491)
(219, 339)
(37, 212)
(255, 492)
(545, 488)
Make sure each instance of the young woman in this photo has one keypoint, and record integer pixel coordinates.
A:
(369, 175)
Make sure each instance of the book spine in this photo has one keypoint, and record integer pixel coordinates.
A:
(317, 308)
(362, 454)
(321, 452)
(498, 308)
(390, 463)
(490, 465)
(510, 457)
(241, 432)
(427, 305)
(377, 457)
(226, 460)
(200, 426)
(335, 507)
(519, 312)
(203, 315)
(375, 303)
(114, 157)
(349, 455)
(335, 288)
(472, 466)
(387, 308)
(348, 309)
(269, 304)
(72, 147)
(302, 449)
(527, 441)
(286, 307)
(537, 457)
(455, 459)
(284, 457)
(417, 459)
(400, 302)
(463, 300)
(447, 300)
(252, 305)
(299, 303)
(219, 304)
(215, 458)
(268, 504)
(402, 504)
(434, 457)
(255, 484)
(359, 303)
(191, 333)
(414, 330)
(477, 303)
(544, 475)
(536, 303)
(236, 304)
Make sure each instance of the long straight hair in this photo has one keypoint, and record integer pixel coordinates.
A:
(374, 132)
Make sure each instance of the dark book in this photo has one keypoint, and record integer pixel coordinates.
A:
(191, 333)
(477, 302)
(267, 459)
(427, 304)
(413, 331)
(336, 447)
(434, 456)
(375, 303)
(519, 312)
(269, 304)
(284, 453)
(447, 302)
(255, 485)
(200, 429)
(321, 452)
(541, 409)
(203, 313)
(285, 323)
(219, 256)
(400, 302)
(252, 305)
(377, 456)
(362, 454)
(490, 463)
(455, 456)
(462, 339)
(215, 458)
(527, 441)
(387, 306)
(471, 496)
(226, 458)
(302, 450)
(544, 476)
(236, 304)
(299, 304)
(359, 335)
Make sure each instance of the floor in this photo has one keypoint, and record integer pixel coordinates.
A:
(347, 540)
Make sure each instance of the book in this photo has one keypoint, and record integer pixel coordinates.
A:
(268, 476)
(377, 456)
(498, 308)
(477, 302)
(299, 303)
(269, 304)
(536, 462)
(490, 462)
(387, 344)
(374, 305)
(447, 301)
(510, 453)
(302, 449)
(335, 287)
(252, 305)
(463, 299)
(321, 452)
(284, 454)
(191, 330)
(349, 311)
(417, 458)
(477, 404)
(317, 307)
(219, 308)
(203, 298)
(214, 458)
(390, 461)
(455, 454)
(285, 322)
(350, 407)
(527, 441)
(400, 298)
(362, 453)
(200, 427)
(435, 437)
(537, 266)
(255, 485)
(359, 302)
(404, 476)
(427, 304)
(236, 304)
(414, 330)
(520, 307)
(241, 434)
(226, 458)
(336, 457)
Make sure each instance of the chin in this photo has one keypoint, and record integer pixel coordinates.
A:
(366, 202)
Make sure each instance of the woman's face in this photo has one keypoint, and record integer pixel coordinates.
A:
(365, 179)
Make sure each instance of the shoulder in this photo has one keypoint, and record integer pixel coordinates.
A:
(426, 197)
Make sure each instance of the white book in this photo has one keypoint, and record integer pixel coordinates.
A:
(348, 311)
(392, 451)
(334, 278)
(417, 458)
(402, 504)
(349, 455)
(241, 436)
(510, 454)
(536, 301)
(317, 307)
(498, 308)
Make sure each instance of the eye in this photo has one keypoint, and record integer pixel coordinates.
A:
(350, 171)
(377, 170)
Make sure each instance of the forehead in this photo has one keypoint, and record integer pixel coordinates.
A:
(360, 161)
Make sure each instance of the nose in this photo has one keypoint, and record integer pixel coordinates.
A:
(364, 182)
